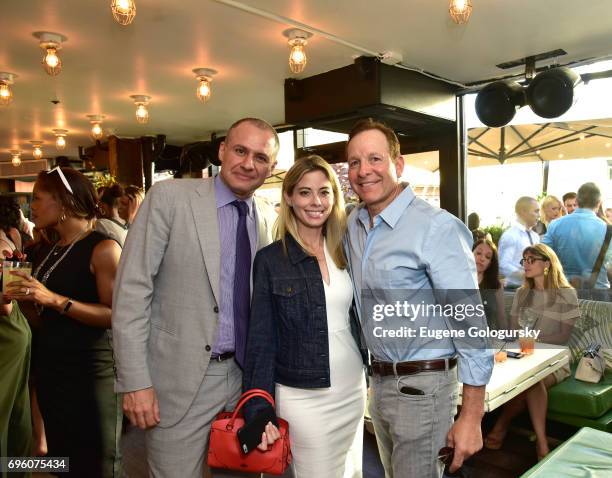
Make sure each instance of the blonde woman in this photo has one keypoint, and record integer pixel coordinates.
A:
(546, 302)
(303, 341)
(551, 209)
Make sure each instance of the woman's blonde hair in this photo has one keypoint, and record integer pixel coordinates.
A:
(334, 227)
(555, 279)
(548, 200)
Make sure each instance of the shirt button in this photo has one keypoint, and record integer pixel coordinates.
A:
(207, 348)
(216, 309)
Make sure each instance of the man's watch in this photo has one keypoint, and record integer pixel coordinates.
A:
(67, 307)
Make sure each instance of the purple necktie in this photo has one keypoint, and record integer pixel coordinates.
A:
(242, 283)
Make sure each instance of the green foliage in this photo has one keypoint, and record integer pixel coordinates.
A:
(103, 180)
(541, 196)
(496, 231)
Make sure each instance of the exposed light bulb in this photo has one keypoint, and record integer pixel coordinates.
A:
(124, 11)
(297, 57)
(6, 94)
(460, 10)
(60, 143)
(142, 113)
(37, 153)
(203, 92)
(96, 131)
(15, 157)
(52, 62)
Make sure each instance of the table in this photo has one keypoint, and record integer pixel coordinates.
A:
(514, 376)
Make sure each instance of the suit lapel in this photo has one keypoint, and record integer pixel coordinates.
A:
(264, 226)
(204, 208)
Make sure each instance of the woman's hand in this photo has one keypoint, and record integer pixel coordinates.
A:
(31, 290)
(268, 437)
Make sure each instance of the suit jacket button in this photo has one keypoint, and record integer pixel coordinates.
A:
(216, 309)
(207, 348)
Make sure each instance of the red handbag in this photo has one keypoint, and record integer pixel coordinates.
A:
(224, 449)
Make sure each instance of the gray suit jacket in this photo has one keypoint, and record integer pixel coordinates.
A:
(165, 310)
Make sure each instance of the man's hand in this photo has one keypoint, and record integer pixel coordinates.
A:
(142, 407)
(465, 436)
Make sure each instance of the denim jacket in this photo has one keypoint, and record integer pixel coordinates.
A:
(288, 335)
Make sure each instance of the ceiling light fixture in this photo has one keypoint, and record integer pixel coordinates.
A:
(142, 113)
(124, 11)
(96, 126)
(37, 153)
(15, 157)
(297, 41)
(6, 93)
(460, 10)
(60, 138)
(204, 77)
(51, 43)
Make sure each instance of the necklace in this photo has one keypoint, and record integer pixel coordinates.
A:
(53, 252)
(39, 308)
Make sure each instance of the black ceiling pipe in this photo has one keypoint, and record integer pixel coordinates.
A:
(496, 103)
(551, 93)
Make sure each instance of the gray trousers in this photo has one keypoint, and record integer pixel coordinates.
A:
(181, 450)
(411, 429)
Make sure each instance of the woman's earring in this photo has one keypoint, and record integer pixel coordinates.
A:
(546, 271)
(62, 217)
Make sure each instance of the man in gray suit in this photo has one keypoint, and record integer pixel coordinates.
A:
(181, 299)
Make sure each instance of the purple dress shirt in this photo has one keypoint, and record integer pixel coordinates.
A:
(227, 216)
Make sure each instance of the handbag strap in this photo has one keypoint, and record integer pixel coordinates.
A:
(600, 257)
(246, 396)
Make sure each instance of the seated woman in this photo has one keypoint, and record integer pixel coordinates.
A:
(491, 289)
(548, 303)
(303, 341)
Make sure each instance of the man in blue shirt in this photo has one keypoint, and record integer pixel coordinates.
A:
(397, 243)
(578, 237)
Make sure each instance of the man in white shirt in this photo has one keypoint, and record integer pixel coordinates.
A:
(515, 239)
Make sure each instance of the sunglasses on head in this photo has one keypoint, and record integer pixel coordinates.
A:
(531, 259)
(62, 177)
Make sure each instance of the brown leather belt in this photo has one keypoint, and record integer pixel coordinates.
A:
(410, 368)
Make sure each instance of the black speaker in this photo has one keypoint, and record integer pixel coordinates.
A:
(551, 93)
(496, 103)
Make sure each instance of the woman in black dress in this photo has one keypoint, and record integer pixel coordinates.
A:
(71, 293)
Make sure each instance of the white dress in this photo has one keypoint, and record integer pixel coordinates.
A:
(326, 424)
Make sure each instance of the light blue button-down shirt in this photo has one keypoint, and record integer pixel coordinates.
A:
(227, 216)
(421, 252)
(577, 239)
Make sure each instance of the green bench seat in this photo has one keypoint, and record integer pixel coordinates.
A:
(589, 400)
(587, 454)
